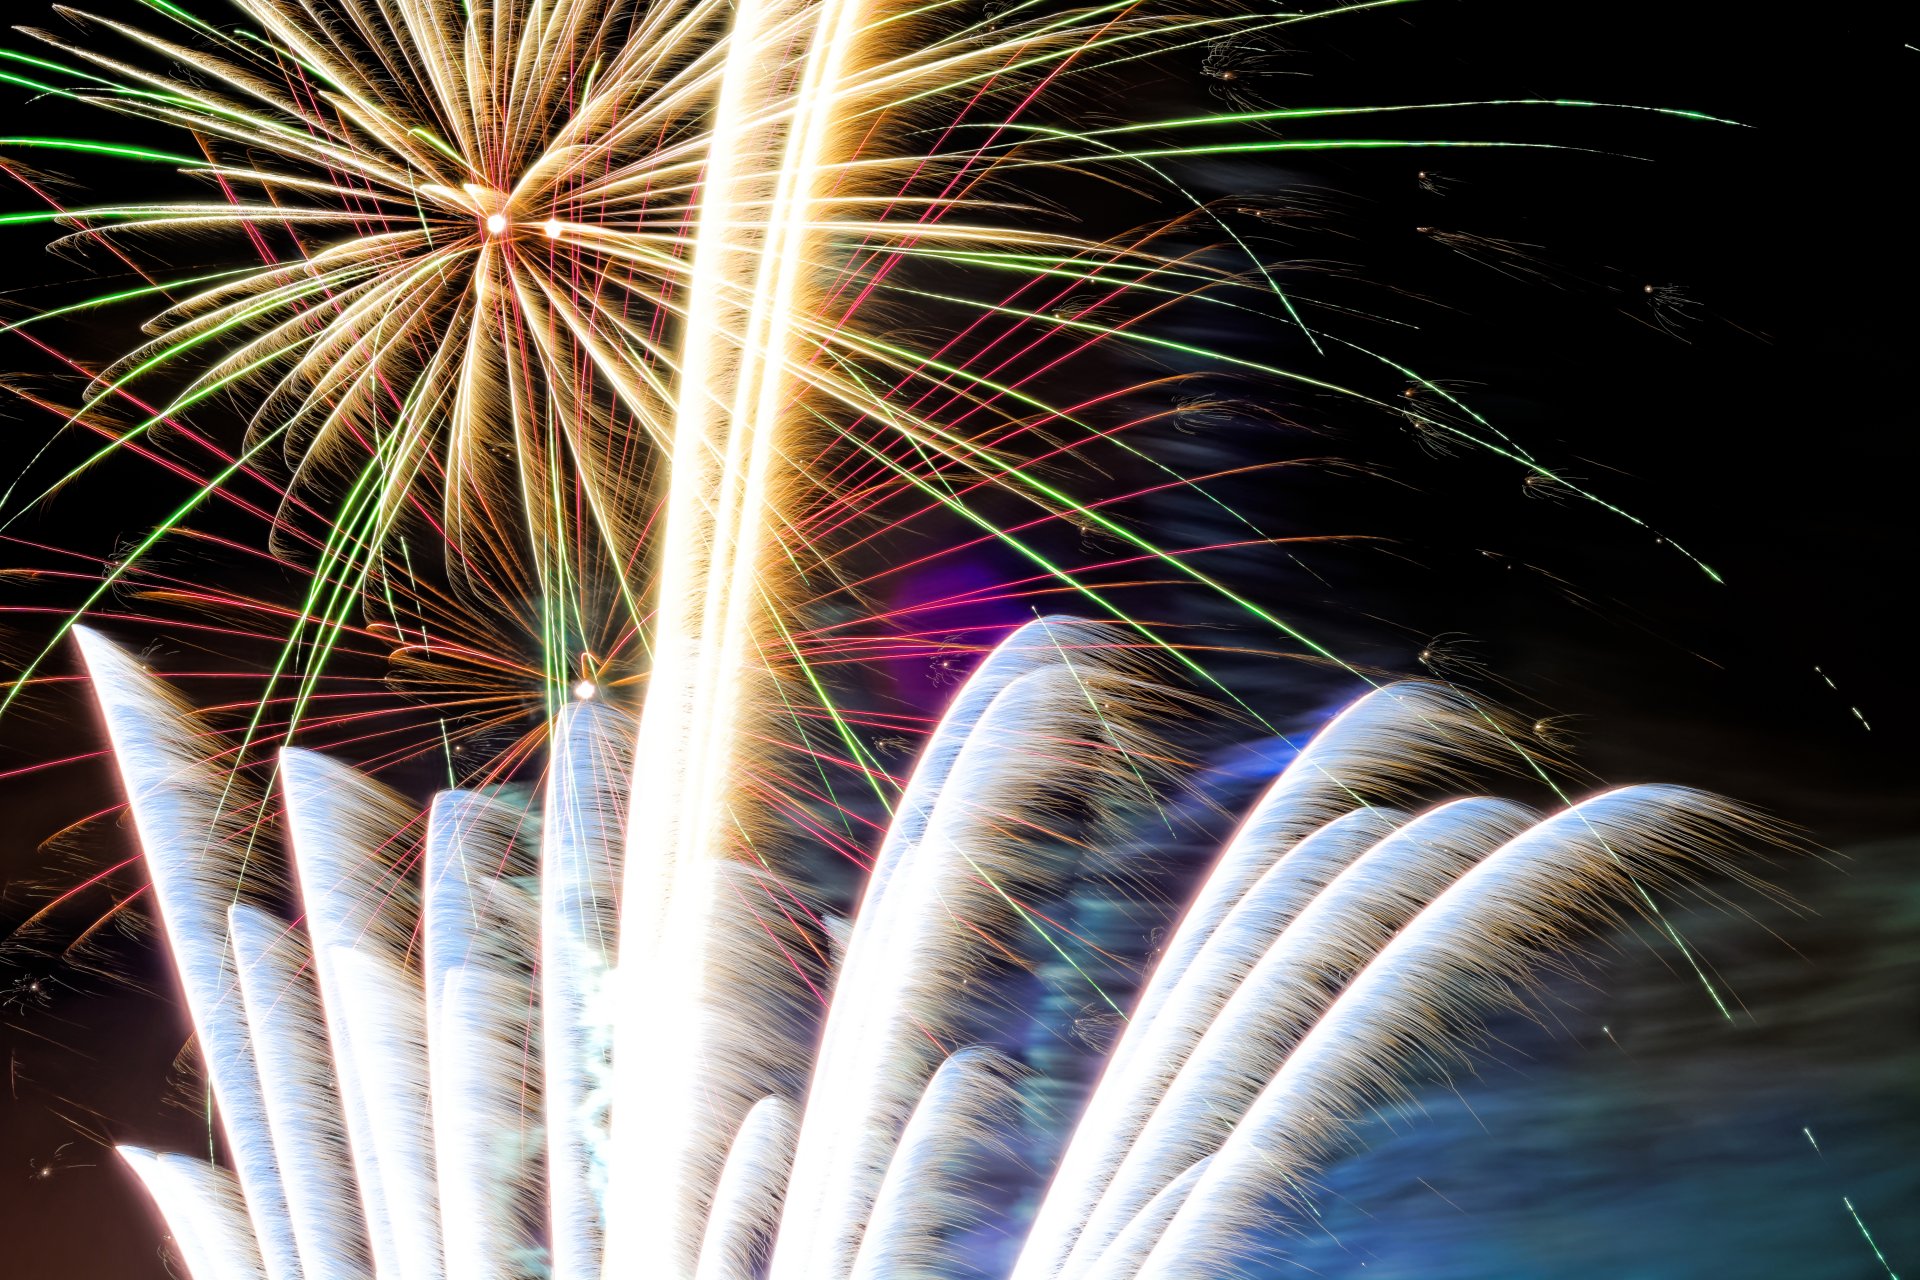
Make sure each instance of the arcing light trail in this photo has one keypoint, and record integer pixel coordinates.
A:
(452, 984)
(596, 294)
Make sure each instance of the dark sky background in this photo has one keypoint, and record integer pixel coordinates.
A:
(1762, 419)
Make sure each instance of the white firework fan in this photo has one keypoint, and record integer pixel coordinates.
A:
(500, 1043)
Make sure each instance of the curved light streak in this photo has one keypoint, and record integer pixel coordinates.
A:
(1342, 953)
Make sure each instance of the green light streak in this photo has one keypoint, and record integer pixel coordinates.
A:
(104, 148)
(1868, 1237)
(1314, 113)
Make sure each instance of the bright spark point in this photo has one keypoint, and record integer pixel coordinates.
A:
(496, 223)
(552, 228)
(584, 690)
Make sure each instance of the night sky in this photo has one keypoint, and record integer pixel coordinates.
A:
(1754, 407)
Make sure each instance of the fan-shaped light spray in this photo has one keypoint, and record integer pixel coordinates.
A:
(1346, 948)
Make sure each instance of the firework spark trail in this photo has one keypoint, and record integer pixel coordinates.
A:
(582, 844)
(690, 734)
(430, 1086)
(1867, 1235)
(182, 823)
(1385, 741)
(1202, 1090)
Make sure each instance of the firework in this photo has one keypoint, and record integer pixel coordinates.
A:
(582, 288)
(413, 1077)
(592, 307)
(595, 297)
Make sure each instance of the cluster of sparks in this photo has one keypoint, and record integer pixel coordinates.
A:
(596, 310)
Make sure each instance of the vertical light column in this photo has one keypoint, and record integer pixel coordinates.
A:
(183, 809)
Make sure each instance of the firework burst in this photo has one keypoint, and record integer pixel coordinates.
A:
(417, 1079)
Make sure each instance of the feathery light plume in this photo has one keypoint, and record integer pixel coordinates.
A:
(1346, 951)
